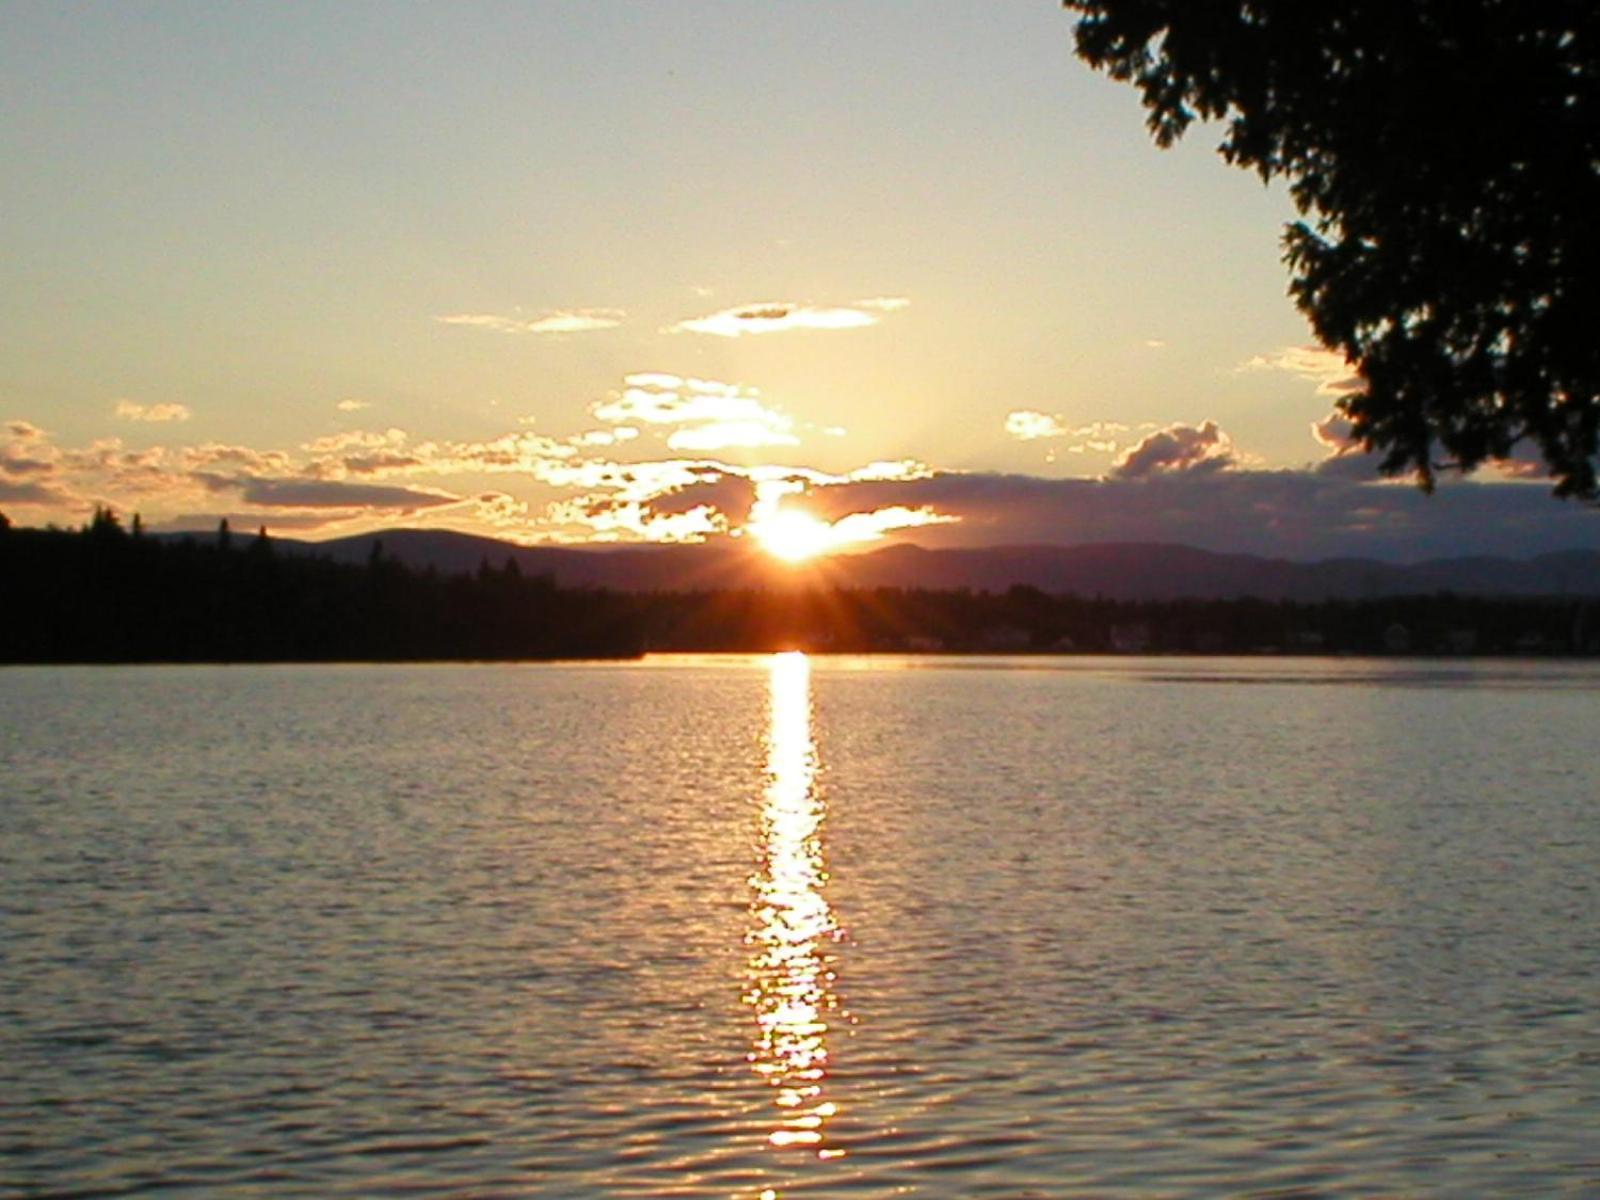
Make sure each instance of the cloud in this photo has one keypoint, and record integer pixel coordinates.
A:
(1333, 432)
(900, 468)
(390, 452)
(614, 518)
(154, 413)
(1168, 487)
(18, 465)
(1031, 425)
(1177, 448)
(687, 499)
(357, 439)
(29, 492)
(302, 493)
(352, 405)
(710, 415)
(27, 451)
(381, 462)
(239, 521)
(1294, 514)
(603, 437)
(729, 494)
(502, 511)
(874, 524)
(1333, 375)
(782, 316)
(577, 320)
(723, 435)
(247, 459)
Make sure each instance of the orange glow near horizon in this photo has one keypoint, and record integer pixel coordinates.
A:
(791, 973)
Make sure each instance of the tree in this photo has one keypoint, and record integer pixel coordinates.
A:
(104, 526)
(261, 546)
(1445, 158)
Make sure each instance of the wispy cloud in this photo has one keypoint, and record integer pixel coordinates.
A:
(301, 493)
(725, 435)
(1327, 369)
(27, 454)
(783, 316)
(352, 405)
(873, 524)
(1184, 483)
(576, 320)
(154, 413)
(710, 415)
(1031, 425)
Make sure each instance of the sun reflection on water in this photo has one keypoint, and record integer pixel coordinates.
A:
(790, 971)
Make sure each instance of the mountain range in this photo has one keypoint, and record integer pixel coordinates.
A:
(1123, 571)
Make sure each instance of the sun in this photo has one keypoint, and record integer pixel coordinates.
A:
(794, 536)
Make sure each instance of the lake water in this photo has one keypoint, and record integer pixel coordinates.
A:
(785, 927)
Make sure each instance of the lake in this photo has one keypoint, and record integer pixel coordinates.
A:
(770, 927)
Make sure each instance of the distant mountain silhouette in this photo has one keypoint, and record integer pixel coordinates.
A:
(1125, 571)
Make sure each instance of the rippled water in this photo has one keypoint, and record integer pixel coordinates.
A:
(735, 927)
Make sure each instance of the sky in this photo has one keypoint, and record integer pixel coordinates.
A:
(610, 271)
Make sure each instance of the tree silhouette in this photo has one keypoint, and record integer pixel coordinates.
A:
(103, 525)
(1446, 157)
(99, 595)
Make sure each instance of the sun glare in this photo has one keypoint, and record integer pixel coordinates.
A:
(795, 536)
(791, 968)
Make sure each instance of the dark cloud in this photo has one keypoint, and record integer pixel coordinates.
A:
(1176, 448)
(372, 464)
(240, 522)
(296, 493)
(29, 492)
(12, 465)
(731, 495)
(1290, 514)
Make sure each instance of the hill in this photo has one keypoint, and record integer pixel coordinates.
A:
(1129, 571)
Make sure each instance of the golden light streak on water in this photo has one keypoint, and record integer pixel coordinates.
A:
(791, 974)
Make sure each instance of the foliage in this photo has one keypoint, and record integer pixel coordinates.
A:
(102, 595)
(1446, 157)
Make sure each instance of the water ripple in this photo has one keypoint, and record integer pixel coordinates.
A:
(968, 930)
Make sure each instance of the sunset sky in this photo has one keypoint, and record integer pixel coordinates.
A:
(610, 271)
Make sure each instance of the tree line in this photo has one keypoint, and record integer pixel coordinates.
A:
(107, 593)
(113, 594)
(1025, 620)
